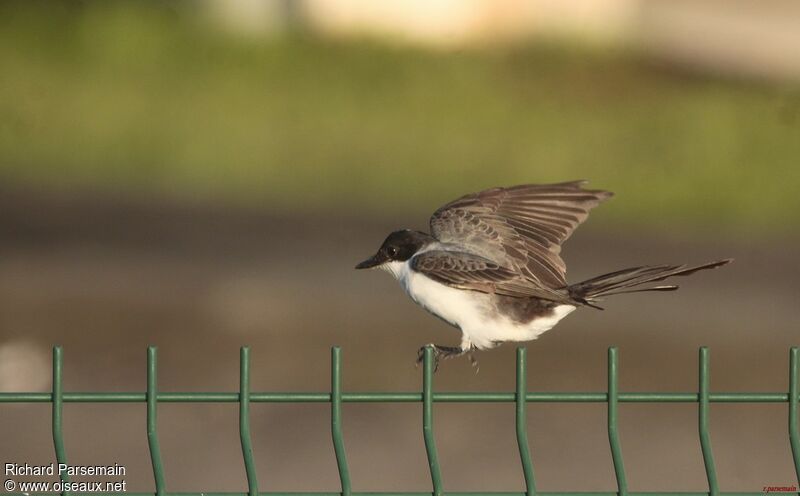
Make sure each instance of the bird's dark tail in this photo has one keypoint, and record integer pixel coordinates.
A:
(628, 280)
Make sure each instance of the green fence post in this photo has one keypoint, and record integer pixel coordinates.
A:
(522, 422)
(794, 437)
(152, 427)
(705, 438)
(427, 421)
(613, 434)
(58, 409)
(336, 420)
(244, 421)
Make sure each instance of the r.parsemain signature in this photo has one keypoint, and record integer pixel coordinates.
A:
(779, 489)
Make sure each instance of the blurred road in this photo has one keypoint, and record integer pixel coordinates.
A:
(105, 277)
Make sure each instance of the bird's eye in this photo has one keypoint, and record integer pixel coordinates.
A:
(392, 251)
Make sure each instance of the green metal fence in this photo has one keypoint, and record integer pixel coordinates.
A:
(521, 397)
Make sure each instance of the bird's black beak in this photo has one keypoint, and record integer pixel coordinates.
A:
(373, 261)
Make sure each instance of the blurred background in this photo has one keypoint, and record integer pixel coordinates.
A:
(204, 175)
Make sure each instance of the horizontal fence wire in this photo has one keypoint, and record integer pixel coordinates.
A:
(427, 397)
(404, 397)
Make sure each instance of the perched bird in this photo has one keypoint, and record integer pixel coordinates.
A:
(491, 266)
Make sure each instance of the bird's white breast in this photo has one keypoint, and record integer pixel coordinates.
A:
(471, 311)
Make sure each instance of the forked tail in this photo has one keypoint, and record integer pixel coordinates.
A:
(628, 280)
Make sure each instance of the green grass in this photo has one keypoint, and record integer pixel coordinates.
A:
(139, 98)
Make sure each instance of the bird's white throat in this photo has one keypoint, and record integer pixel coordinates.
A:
(396, 268)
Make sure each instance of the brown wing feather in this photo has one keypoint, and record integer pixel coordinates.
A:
(469, 271)
(520, 228)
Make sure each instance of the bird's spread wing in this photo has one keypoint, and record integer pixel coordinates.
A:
(468, 271)
(520, 228)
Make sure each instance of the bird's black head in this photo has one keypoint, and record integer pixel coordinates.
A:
(398, 246)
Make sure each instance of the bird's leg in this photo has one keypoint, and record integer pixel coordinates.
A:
(473, 361)
(468, 347)
(440, 352)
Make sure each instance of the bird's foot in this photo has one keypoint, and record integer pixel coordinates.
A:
(474, 361)
(440, 352)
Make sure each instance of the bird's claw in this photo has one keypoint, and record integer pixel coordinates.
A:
(474, 362)
(440, 352)
(437, 353)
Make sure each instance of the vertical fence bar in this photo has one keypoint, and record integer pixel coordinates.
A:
(244, 421)
(522, 422)
(336, 420)
(794, 436)
(705, 438)
(58, 410)
(427, 421)
(613, 434)
(152, 426)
